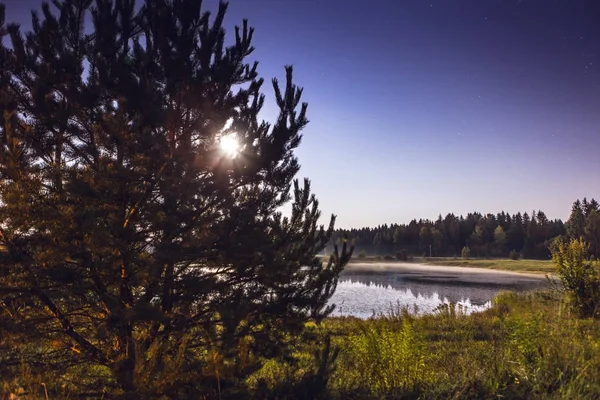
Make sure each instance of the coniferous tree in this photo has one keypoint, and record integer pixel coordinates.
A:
(449, 235)
(585, 206)
(592, 232)
(500, 239)
(133, 246)
(515, 236)
(593, 206)
(576, 222)
(437, 239)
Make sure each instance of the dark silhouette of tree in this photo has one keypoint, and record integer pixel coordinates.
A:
(589, 206)
(139, 248)
(592, 232)
(576, 222)
(593, 206)
(500, 239)
(486, 235)
(425, 238)
(515, 236)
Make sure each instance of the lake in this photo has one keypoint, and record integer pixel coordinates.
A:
(365, 289)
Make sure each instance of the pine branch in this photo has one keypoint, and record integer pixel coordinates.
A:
(89, 348)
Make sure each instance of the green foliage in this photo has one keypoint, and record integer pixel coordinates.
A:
(576, 223)
(138, 259)
(465, 253)
(304, 377)
(500, 238)
(362, 255)
(592, 232)
(525, 346)
(486, 235)
(584, 223)
(514, 255)
(388, 257)
(384, 360)
(579, 276)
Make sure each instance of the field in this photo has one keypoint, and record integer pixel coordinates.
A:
(530, 266)
(539, 266)
(525, 346)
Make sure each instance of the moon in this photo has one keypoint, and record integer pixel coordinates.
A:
(230, 145)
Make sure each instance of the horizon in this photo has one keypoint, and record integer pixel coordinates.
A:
(432, 220)
(425, 108)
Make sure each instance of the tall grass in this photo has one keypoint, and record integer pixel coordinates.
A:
(526, 346)
(383, 359)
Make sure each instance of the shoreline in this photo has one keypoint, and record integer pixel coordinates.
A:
(528, 267)
(421, 269)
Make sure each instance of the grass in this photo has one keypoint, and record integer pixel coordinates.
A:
(537, 266)
(525, 346)
(529, 266)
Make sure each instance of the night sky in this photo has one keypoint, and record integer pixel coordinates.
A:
(420, 108)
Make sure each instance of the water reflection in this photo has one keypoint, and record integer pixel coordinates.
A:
(364, 300)
(364, 293)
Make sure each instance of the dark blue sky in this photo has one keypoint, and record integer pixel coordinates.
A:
(420, 108)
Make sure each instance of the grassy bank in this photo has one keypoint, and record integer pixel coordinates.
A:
(531, 266)
(538, 266)
(526, 346)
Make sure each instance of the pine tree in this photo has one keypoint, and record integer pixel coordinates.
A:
(500, 239)
(138, 247)
(592, 232)
(515, 236)
(576, 222)
(531, 233)
(589, 207)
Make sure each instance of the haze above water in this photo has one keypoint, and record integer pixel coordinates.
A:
(371, 289)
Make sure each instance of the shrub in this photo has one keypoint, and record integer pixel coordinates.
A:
(385, 359)
(402, 255)
(514, 255)
(362, 255)
(465, 253)
(388, 257)
(580, 277)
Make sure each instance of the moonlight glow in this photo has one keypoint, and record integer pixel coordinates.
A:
(230, 145)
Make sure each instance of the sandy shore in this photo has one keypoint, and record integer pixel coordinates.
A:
(438, 273)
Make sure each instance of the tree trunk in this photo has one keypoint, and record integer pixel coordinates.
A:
(124, 370)
(125, 367)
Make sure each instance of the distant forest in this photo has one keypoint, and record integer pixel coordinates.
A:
(527, 235)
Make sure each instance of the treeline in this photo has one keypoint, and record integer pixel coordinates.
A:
(527, 235)
(584, 222)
